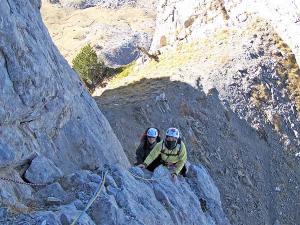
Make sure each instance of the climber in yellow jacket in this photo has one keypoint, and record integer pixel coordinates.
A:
(172, 151)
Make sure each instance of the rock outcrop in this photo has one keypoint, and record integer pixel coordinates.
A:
(192, 19)
(44, 107)
(220, 88)
(113, 33)
(46, 110)
(130, 200)
(268, 88)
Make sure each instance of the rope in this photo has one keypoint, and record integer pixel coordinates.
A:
(96, 194)
(20, 182)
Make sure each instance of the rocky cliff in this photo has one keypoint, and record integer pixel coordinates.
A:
(192, 19)
(45, 109)
(202, 19)
(230, 81)
(44, 105)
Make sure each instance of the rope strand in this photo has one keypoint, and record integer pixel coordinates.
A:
(21, 182)
(96, 194)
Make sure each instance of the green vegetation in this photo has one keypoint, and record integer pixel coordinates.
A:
(259, 95)
(91, 70)
(125, 70)
(288, 69)
(121, 72)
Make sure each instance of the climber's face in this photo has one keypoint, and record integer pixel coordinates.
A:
(170, 142)
(151, 140)
(169, 138)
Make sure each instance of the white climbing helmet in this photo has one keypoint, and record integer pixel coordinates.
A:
(173, 132)
(152, 132)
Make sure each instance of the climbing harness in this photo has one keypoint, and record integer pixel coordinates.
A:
(96, 194)
(21, 182)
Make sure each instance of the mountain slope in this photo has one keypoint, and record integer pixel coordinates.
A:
(247, 134)
(45, 109)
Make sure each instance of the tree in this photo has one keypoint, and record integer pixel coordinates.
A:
(89, 68)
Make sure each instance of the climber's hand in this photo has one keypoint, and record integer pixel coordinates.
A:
(174, 177)
(142, 166)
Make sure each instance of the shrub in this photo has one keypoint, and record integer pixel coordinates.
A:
(259, 95)
(288, 68)
(90, 69)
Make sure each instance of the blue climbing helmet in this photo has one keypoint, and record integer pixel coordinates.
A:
(152, 132)
(172, 132)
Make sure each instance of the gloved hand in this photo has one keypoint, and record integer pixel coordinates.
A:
(142, 166)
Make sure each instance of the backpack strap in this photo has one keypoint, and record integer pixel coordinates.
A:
(162, 150)
(180, 147)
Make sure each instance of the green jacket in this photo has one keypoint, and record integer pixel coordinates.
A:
(168, 156)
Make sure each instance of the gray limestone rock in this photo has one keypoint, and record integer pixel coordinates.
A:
(122, 47)
(68, 213)
(189, 20)
(80, 178)
(38, 218)
(7, 155)
(44, 107)
(128, 199)
(204, 185)
(53, 190)
(137, 201)
(45, 218)
(42, 170)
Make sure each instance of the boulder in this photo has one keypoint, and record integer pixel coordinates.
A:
(42, 170)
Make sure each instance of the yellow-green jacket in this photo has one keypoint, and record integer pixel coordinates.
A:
(168, 156)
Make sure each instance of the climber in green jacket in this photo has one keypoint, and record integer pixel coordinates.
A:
(172, 151)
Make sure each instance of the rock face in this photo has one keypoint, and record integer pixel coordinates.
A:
(233, 91)
(103, 3)
(191, 19)
(122, 48)
(42, 170)
(45, 109)
(128, 200)
(239, 83)
(7, 155)
(44, 106)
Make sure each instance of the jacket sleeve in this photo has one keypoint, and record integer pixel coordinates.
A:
(182, 159)
(153, 154)
(140, 154)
